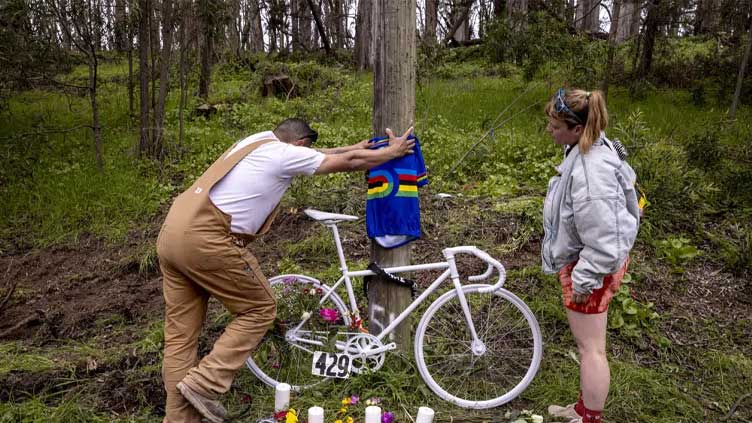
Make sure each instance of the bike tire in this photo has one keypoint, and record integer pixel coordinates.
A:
(512, 338)
(276, 359)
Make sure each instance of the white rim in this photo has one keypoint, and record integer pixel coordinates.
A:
(514, 392)
(253, 367)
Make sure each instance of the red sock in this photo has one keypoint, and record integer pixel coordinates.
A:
(592, 416)
(588, 416)
(579, 408)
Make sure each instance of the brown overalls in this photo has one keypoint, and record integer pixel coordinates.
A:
(199, 257)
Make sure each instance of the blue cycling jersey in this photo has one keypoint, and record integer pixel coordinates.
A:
(392, 206)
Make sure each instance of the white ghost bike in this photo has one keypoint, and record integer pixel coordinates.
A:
(477, 345)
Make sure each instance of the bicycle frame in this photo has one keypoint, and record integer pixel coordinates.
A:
(450, 272)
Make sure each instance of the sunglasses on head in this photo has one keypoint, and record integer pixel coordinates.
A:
(313, 136)
(561, 107)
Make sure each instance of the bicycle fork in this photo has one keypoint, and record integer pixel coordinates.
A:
(477, 346)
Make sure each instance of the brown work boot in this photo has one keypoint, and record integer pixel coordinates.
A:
(211, 409)
(568, 413)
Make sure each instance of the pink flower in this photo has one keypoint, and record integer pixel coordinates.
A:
(387, 417)
(329, 314)
(354, 399)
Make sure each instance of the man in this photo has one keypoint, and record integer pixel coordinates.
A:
(201, 254)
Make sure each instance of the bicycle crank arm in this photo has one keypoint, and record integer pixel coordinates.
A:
(376, 351)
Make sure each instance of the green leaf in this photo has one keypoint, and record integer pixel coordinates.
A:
(617, 321)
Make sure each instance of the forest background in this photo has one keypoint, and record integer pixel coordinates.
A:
(110, 108)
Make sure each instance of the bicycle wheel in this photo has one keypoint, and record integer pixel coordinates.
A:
(278, 359)
(492, 375)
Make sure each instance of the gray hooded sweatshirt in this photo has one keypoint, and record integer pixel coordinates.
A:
(590, 215)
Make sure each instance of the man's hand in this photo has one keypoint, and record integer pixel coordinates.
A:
(580, 298)
(400, 146)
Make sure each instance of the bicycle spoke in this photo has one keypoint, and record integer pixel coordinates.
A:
(449, 358)
(278, 360)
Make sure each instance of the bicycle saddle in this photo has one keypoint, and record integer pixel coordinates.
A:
(328, 217)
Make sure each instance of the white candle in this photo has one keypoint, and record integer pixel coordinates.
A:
(425, 415)
(282, 397)
(315, 415)
(373, 414)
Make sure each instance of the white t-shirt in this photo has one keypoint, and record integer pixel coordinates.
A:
(251, 190)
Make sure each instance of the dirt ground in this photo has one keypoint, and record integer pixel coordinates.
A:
(70, 293)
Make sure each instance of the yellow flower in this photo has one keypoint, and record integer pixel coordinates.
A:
(291, 416)
(350, 420)
(338, 421)
(346, 401)
(343, 410)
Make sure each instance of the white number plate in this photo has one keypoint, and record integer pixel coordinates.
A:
(330, 365)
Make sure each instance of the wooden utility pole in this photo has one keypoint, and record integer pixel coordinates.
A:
(393, 107)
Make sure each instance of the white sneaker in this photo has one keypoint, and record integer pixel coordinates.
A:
(566, 412)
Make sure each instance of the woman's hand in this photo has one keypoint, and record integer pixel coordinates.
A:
(580, 298)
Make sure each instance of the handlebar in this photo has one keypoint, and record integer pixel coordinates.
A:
(483, 276)
(449, 253)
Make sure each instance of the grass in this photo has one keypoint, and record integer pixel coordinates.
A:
(54, 195)
(37, 411)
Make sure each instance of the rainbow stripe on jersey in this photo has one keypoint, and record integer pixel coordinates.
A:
(392, 206)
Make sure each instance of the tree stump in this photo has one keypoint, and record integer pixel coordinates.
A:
(279, 85)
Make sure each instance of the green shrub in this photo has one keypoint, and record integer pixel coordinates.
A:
(543, 41)
(629, 316)
(677, 251)
(732, 244)
(704, 150)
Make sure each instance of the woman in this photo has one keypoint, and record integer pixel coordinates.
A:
(591, 218)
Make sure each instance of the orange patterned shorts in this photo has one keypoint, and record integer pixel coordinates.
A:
(600, 298)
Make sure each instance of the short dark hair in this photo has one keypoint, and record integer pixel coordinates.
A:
(293, 129)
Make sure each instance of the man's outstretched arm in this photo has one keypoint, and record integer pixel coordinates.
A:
(364, 159)
(339, 150)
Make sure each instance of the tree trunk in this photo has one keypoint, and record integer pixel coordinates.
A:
(587, 16)
(363, 52)
(253, 35)
(338, 17)
(320, 26)
(458, 30)
(164, 78)
(99, 149)
(651, 31)
(143, 72)
(154, 55)
(295, 23)
(740, 78)
(131, 83)
(121, 26)
(183, 68)
(707, 17)
(233, 24)
(500, 9)
(516, 8)
(304, 24)
(612, 36)
(629, 20)
(207, 35)
(393, 107)
(432, 18)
